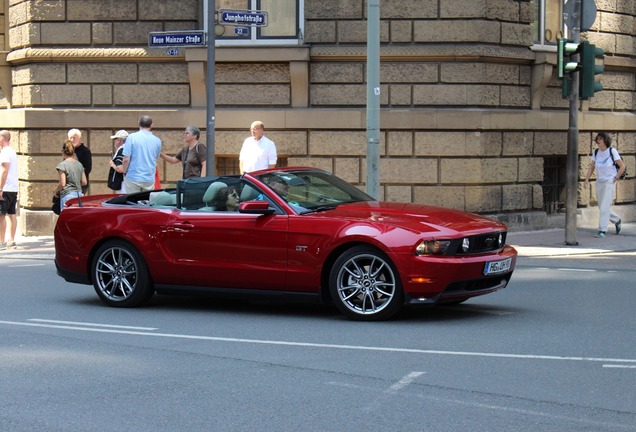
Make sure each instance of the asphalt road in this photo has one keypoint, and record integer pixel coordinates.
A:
(555, 351)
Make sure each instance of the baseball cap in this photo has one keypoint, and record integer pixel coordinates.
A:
(120, 134)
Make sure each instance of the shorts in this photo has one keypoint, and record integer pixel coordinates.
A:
(8, 203)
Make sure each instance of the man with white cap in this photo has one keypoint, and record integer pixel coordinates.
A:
(116, 172)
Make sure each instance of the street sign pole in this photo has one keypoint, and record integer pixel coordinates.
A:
(373, 98)
(572, 165)
(210, 94)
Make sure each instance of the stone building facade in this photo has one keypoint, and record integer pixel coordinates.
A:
(471, 111)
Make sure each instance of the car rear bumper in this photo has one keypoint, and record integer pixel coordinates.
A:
(69, 276)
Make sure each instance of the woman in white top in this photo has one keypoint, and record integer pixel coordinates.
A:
(609, 169)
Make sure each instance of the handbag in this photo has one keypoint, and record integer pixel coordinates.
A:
(115, 179)
(56, 204)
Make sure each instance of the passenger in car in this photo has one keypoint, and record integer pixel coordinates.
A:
(232, 199)
(227, 199)
(280, 187)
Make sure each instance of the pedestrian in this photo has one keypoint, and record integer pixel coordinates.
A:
(82, 154)
(192, 155)
(71, 175)
(141, 151)
(116, 172)
(258, 152)
(609, 168)
(8, 191)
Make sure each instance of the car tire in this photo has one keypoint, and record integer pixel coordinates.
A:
(120, 275)
(364, 285)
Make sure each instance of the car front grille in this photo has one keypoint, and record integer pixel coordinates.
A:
(479, 244)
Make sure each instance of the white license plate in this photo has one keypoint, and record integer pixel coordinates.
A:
(496, 267)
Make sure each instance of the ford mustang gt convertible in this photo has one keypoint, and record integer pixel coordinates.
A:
(295, 232)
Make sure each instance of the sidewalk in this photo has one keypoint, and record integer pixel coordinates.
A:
(529, 243)
(552, 242)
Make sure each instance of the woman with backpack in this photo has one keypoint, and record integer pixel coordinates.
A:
(191, 156)
(609, 169)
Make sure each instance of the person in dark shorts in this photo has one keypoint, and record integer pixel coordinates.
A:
(8, 191)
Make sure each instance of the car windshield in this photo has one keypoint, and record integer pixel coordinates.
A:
(312, 191)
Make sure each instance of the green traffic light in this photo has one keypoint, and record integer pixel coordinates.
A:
(589, 69)
(565, 50)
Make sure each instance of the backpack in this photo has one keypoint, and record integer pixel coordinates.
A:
(614, 161)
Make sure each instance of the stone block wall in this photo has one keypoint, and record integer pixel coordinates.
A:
(434, 53)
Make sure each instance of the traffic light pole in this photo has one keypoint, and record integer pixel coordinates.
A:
(572, 165)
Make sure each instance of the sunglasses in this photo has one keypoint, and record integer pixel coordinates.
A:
(234, 194)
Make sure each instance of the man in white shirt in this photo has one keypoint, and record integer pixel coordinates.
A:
(258, 151)
(8, 190)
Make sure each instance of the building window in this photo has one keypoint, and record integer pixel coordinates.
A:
(554, 175)
(229, 165)
(285, 23)
(549, 23)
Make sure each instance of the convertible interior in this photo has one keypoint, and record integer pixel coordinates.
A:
(202, 194)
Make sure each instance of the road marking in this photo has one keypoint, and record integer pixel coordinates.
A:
(493, 407)
(323, 345)
(92, 324)
(619, 366)
(406, 380)
(576, 270)
(27, 265)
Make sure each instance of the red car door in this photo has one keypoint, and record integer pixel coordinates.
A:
(225, 249)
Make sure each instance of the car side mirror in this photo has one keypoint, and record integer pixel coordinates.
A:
(256, 207)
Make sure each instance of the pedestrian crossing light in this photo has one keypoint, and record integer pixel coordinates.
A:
(589, 70)
(565, 63)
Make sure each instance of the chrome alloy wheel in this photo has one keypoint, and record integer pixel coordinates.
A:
(366, 284)
(116, 273)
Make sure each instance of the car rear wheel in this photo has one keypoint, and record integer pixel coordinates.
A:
(364, 285)
(120, 275)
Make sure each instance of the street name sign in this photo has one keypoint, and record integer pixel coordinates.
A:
(238, 17)
(177, 39)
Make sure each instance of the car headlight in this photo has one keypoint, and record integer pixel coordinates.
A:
(432, 247)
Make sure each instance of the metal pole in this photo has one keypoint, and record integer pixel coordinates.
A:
(373, 98)
(572, 165)
(209, 90)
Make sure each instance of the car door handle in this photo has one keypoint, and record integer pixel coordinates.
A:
(182, 226)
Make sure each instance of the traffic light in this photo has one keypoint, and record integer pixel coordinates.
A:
(565, 50)
(566, 66)
(589, 69)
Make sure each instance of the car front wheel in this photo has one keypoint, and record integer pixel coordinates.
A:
(364, 285)
(120, 275)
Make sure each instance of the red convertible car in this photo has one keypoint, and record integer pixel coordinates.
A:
(300, 232)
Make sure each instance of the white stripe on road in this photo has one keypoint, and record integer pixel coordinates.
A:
(322, 345)
(619, 366)
(92, 324)
(406, 380)
(577, 270)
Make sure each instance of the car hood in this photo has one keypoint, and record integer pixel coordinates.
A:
(416, 218)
